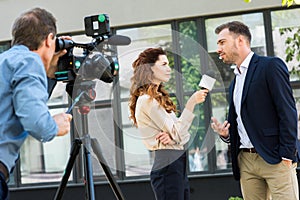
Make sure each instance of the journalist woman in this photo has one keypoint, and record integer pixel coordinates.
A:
(154, 114)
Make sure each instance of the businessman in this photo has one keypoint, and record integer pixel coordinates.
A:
(262, 119)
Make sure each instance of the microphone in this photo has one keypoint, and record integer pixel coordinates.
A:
(118, 40)
(207, 81)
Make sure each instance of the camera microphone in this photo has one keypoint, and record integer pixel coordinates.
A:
(118, 40)
(207, 81)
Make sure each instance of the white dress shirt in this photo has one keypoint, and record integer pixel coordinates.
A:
(241, 73)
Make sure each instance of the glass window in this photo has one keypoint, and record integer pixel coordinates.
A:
(190, 70)
(296, 93)
(59, 95)
(286, 37)
(138, 160)
(189, 55)
(141, 39)
(100, 127)
(219, 110)
(4, 46)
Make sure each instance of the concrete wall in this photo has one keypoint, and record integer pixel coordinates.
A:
(70, 13)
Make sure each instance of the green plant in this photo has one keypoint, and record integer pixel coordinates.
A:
(287, 3)
(235, 198)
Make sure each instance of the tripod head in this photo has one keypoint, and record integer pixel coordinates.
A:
(83, 93)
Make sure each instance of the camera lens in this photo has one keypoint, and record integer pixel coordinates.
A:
(61, 44)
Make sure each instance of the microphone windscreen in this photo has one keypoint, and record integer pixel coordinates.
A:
(118, 40)
(207, 82)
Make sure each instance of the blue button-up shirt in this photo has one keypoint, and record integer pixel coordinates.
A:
(23, 99)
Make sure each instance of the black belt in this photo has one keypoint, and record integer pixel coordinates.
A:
(4, 171)
(250, 150)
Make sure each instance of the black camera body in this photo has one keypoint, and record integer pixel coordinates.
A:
(93, 63)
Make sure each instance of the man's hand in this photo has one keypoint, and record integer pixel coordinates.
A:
(54, 61)
(288, 163)
(63, 122)
(221, 129)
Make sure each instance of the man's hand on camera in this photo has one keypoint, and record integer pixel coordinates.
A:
(54, 61)
(63, 122)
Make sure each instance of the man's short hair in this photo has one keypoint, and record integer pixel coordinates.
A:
(235, 27)
(33, 27)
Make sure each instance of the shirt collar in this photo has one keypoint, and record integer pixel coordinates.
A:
(245, 64)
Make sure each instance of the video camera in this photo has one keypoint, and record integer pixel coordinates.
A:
(94, 63)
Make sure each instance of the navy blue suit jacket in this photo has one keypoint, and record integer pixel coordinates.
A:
(268, 112)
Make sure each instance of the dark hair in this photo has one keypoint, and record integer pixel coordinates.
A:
(235, 27)
(141, 82)
(33, 27)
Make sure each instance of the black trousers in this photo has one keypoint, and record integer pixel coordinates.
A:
(169, 177)
(3, 188)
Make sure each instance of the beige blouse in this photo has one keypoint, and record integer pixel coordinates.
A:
(153, 118)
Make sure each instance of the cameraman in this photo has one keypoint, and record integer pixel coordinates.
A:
(23, 92)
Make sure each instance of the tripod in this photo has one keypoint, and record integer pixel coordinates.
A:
(88, 143)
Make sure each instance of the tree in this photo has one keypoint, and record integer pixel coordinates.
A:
(287, 3)
(292, 47)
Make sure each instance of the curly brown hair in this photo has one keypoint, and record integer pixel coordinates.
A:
(141, 82)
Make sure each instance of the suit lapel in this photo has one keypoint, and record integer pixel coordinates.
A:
(249, 76)
(231, 89)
